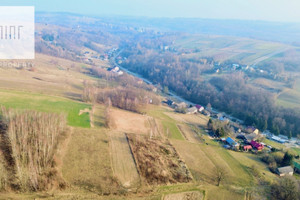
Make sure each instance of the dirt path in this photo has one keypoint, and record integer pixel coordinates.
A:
(123, 164)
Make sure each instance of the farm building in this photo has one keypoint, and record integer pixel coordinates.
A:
(278, 139)
(200, 108)
(251, 129)
(256, 145)
(191, 110)
(247, 147)
(231, 142)
(283, 171)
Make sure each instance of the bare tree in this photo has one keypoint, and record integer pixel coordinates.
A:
(220, 175)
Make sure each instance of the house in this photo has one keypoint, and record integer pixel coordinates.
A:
(251, 129)
(283, 171)
(247, 147)
(200, 108)
(231, 142)
(192, 110)
(257, 145)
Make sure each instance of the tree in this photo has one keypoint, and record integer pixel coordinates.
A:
(166, 90)
(287, 159)
(285, 189)
(265, 125)
(220, 175)
(290, 135)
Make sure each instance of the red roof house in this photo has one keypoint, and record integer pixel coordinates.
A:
(247, 147)
(256, 145)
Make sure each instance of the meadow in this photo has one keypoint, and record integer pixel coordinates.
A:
(45, 103)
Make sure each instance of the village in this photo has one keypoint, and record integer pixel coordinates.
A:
(233, 135)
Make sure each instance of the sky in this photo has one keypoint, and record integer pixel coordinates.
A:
(267, 10)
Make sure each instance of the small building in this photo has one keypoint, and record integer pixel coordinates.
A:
(278, 139)
(283, 171)
(251, 129)
(257, 145)
(247, 147)
(170, 102)
(231, 142)
(200, 108)
(192, 110)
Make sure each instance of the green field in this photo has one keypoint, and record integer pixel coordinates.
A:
(32, 101)
(168, 123)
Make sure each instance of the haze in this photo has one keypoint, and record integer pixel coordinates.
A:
(267, 10)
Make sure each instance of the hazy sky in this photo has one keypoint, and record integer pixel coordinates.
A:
(271, 10)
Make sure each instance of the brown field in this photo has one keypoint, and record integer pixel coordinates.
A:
(157, 161)
(130, 122)
(122, 160)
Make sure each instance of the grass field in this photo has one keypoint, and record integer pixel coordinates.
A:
(169, 125)
(33, 101)
(123, 164)
(87, 161)
(290, 98)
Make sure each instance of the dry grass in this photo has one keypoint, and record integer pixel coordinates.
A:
(130, 122)
(199, 164)
(158, 161)
(86, 164)
(122, 161)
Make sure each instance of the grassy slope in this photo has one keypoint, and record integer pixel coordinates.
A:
(33, 101)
